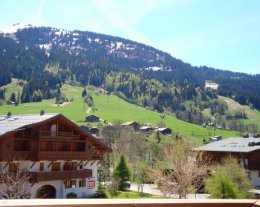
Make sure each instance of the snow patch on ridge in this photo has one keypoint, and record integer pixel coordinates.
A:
(15, 27)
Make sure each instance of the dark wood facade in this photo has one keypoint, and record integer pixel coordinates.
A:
(56, 138)
(253, 158)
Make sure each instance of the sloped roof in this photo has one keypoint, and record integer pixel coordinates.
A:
(234, 144)
(16, 122)
(129, 123)
(162, 129)
(146, 127)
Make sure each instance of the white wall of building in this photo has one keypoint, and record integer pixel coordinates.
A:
(61, 191)
(255, 179)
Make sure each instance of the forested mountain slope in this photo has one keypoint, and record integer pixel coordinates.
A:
(46, 57)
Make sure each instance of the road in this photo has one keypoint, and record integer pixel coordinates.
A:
(151, 189)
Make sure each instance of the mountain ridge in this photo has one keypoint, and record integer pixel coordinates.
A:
(136, 72)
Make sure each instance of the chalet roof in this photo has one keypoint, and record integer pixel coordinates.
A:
(162, 129)
(234, 144)
(145, 127)
(92, 115)
(15, 122)
(129, 123)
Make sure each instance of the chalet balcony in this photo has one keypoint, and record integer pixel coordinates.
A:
(59, 135)
(253, 166)
(63, 155)
(61, 175)
(130, 203)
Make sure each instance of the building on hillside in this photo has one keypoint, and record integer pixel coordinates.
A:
(60, 157)
(94, 131)
(246, 150)
(164, 131)
(147, 129)
(92, 118)
(212, 85)
(131, 124)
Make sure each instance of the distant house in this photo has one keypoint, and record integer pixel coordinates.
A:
(246, 150)
(212, 85)
(92, 118)
(164, 131)
(146, 129)
(132, 124)
(94, 131)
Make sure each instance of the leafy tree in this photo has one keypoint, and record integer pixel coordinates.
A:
(221, 185)
(182, 169)
(228, 180)
(122, 173)
(141, 174)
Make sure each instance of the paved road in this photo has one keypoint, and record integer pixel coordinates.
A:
(151, 189)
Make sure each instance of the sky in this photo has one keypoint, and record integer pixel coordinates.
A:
(223, 34)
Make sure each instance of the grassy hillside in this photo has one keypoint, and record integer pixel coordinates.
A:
(253, 115)
(113, 109)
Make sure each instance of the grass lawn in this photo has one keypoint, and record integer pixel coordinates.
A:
(113, 109)
(132, 194)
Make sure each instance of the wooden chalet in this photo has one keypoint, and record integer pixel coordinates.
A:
(61, 157)
(164, 131)
(246, 150)
(146, 129)
(92, 118)
(131, 124)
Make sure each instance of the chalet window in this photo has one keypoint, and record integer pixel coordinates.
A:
(53, 130)
(70, 166)
(66, 166)
(82, 183)
(74, 165)
(70, 183)
(55, 166)
(73, 183)
(41, 167)
(67, 183)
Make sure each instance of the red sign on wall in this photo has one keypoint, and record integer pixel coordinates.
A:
(91, 184)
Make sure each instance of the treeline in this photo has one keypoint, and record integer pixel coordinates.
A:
(120, 66)
(42, 86)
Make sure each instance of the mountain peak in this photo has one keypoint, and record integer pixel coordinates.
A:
(15, 27)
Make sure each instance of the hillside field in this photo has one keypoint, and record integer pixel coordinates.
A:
(112, 109)
(253, 115)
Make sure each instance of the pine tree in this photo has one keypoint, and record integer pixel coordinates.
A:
(84, 92)
(122, 173)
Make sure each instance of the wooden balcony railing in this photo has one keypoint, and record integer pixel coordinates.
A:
(59, 135)
(129, 203)
(63, 155)
(253, 166)
(60, 175)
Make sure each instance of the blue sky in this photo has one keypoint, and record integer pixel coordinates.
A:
(224, 34)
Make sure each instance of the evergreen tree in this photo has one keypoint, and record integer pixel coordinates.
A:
(122, 173)
(13, 97)
(84, 92)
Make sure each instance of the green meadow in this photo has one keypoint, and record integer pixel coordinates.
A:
(113, 110)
